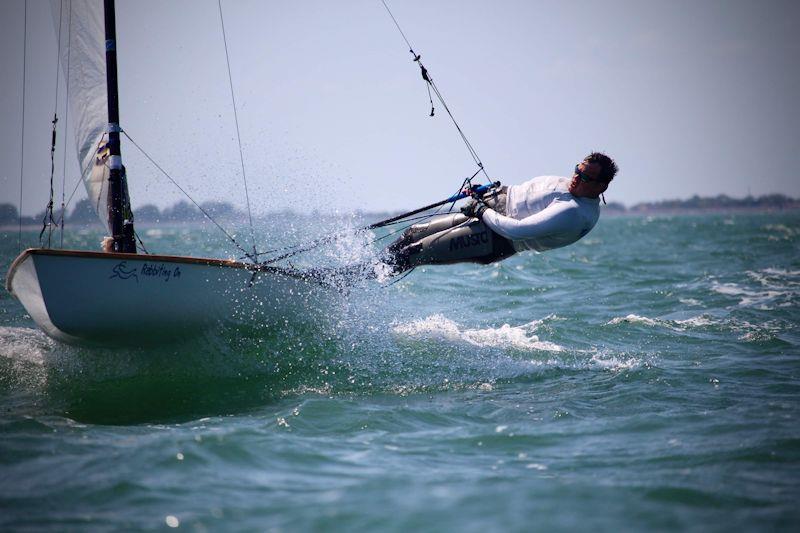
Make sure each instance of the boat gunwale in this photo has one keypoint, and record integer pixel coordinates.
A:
(184, 259)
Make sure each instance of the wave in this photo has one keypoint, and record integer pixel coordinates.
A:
(700, 321)
(783, 231)
(439, 327)
(634, 319)
(614, 362)
(759, 299)
(745, 330)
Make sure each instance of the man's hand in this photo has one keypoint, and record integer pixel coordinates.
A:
(472, 190)
(475, 209)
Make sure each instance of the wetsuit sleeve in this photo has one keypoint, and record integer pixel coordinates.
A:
(557, 218)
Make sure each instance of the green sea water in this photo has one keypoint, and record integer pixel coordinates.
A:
(645, 378)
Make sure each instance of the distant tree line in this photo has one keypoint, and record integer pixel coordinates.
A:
(183, 211)
(722, 202)
(83, 212)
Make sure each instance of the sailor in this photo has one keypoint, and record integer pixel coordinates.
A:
(544, 213)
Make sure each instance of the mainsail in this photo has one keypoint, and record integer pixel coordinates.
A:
(84, 66)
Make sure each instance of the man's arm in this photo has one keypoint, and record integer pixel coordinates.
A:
(558, 217)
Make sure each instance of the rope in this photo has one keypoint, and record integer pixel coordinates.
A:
(396, 24)
(64, 206)
(238, 136)
(140, 242)
(47, 220)
(402, 218)
(66, 122)
(431, 85)
(401, 278)
(290, 251)
(22, 146)
(205, 213)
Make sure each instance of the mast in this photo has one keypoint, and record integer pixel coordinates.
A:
(121, 228)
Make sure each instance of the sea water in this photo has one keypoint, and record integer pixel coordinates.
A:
(647, 377)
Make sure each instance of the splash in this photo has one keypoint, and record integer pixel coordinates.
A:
(22, 355)
(613, 362)
(439, 327)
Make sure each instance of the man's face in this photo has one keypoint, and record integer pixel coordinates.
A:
(588, 188)
(590, 170)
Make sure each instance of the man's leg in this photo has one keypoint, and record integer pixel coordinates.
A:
(451, 238)
(418, 232)
(469, 241)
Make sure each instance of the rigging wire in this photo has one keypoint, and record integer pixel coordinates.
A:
(291, 251)
(69, 200)
(77, 184)
(432, 85)
(22, 138)
(140, 242)
(238, 135)
(294, 250)
(66, 122)
(247, 254)
(47, 220)
(401, 278)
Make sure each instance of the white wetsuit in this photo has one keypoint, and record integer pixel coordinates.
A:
(542, 215)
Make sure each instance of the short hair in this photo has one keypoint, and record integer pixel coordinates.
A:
(608, 168)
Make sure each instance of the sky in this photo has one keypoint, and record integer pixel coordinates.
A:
(689, 97)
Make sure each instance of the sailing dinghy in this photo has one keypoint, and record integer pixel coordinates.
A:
(120, 296)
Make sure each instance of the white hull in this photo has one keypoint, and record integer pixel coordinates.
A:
(101, 298)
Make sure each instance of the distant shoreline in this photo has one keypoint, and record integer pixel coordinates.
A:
(366, 216)
(696, 210)
(183, 213)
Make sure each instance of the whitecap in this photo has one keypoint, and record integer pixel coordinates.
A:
(782, 229)
(613, 362)
(698, 321)
(634, 319)
(439, 327)
(536, 466)
(752, 298)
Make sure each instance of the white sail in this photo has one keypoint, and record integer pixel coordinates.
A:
(84, 67)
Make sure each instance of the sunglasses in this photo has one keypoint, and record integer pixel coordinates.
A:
(582, 175)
